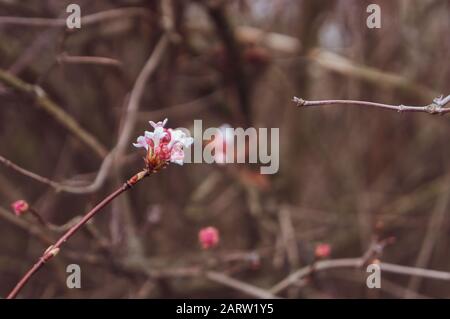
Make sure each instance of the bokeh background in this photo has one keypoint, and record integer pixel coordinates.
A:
(348, 176)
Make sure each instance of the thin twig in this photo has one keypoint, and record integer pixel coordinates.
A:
(235, 64)
(42, 235)
(388, 286)
(357, 263)
(98, 60)
(54, 110)
(287, 230)
(28, 226)
(85, 20)
(239, 285)
(28, 173)
(434, 230)
(54, 249)
(436, 107)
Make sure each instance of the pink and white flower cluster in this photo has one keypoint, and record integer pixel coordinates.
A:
(163, 145)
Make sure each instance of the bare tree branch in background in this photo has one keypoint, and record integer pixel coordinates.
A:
(72, 59)
(85, 20)
(436, 107)
(54, 110)
(357, 263)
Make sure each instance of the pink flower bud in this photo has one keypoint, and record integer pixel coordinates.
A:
(322, 250)
(208, 237)
(20, 207)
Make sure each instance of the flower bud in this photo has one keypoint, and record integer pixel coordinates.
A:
(208, 237)
(20, 207)
(322, 251)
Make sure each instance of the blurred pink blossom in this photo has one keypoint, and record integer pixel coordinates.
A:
(323, 250)
(222, 140)
(208, 237)
(20, 207)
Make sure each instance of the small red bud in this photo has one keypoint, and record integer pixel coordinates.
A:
(20, 207)
(322, 250)
(208, 237)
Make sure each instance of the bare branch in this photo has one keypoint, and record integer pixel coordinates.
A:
(54, 110)
(86, 20)
(357, 263)
(434, 230)
(72, 59)
(239, 285)
(28, 173)
(436, 107)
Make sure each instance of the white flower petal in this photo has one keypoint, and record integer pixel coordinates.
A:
(141, 142)
(148, 134)
(158, 124)
(178, 136)
(177, 154)
(186, 141)
(158, 134)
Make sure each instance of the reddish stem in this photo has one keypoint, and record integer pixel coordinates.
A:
(40, 219)
(54, 249)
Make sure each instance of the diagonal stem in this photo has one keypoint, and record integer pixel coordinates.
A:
(28, 173)
(54, 249)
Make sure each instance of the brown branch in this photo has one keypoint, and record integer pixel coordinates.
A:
(85, 20)
(73, 59)
(287, 230)
(40, 232)
(434, 230)
(30, 227)
(29, 174)
(54, 110)
(436, 107)
(239, 285)
(143, 265)
(357, 263)
(54, 249)
(234, 60)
